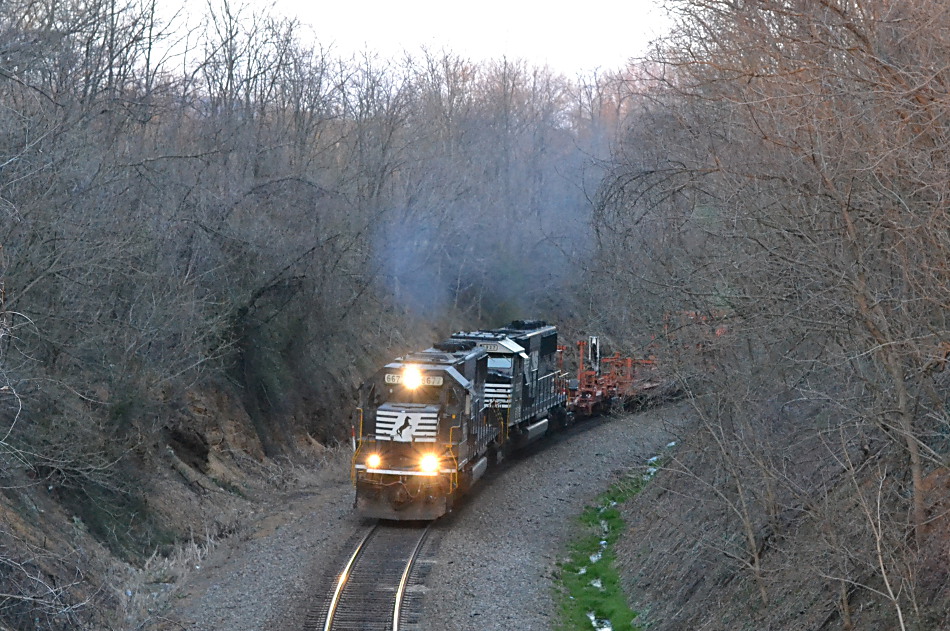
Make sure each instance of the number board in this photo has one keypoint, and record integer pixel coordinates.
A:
(425, 380)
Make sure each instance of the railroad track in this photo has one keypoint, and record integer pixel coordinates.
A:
(370, 592)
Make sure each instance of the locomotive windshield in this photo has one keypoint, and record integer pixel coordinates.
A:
(502, 364)
(396, 393)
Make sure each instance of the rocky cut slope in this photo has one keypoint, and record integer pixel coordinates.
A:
(805, 529)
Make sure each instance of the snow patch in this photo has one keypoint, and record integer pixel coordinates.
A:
(599, 625)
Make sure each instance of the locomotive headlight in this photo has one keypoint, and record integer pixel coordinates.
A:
(373, 461)
(429, 463)
(412, 377)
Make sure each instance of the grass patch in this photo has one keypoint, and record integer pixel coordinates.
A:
(589, 584)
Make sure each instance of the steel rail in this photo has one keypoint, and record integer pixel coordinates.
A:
(344, 575)
(404, 581)
(365, 558)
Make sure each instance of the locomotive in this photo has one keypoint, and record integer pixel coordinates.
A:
(431, 422)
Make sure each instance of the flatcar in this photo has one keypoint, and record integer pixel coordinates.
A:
(431, 422)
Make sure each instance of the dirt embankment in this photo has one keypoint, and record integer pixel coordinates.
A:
(108, 554)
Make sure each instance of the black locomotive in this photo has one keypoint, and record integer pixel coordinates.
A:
(431, 422)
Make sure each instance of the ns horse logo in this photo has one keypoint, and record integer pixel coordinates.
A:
(405, 427)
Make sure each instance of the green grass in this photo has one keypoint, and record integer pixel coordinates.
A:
(589, 582)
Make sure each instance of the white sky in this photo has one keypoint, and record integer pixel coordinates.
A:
(569, 37)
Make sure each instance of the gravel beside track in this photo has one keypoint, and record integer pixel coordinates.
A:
(256, 578)
(495, 562)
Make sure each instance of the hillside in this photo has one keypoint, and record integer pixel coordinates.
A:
(826, 548)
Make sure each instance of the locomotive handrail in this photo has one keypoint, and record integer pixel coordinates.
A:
(505, 424)
(454, 480)
(359, 446)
